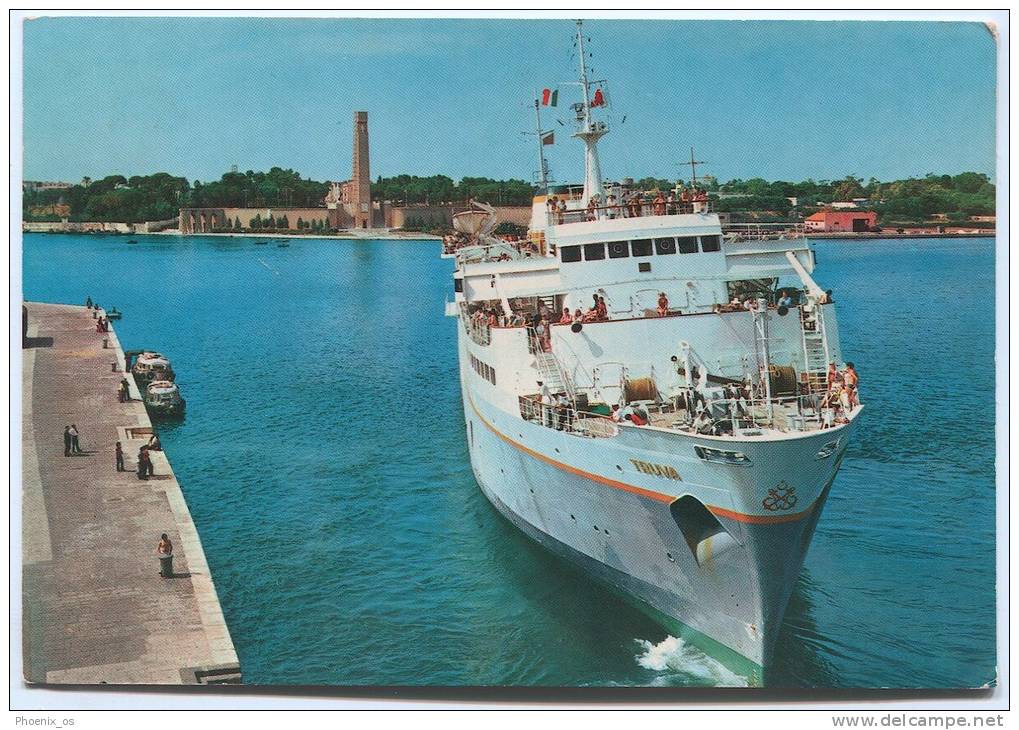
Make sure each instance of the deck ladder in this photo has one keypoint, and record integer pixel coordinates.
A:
(551, 371)
(763, 353)
(815, 347)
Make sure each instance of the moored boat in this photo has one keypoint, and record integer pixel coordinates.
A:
(162, 398)
(151, 366)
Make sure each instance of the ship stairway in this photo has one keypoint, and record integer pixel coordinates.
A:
(762, 350)
(551, 371)
(815, 348)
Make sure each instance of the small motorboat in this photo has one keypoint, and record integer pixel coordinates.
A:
(261, 242)
(114, 314)
(131, 242)
(283, 244)
(162, 399)
(152, 366)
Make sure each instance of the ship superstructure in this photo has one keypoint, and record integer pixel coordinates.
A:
(656, 398)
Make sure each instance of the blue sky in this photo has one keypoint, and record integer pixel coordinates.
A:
(775, 99)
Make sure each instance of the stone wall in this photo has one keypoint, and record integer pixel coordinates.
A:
(428, 215)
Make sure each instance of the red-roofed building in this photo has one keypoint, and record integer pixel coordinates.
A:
(830, 221)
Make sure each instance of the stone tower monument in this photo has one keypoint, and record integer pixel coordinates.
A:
(360, 184)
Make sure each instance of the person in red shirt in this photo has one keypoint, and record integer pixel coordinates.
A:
(663, 304)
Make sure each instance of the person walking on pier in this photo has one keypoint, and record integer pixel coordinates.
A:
(120, 457)
(143, 457)
(164, 550)
(67, 441)
(75, 446)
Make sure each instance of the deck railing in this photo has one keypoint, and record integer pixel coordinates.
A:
(736, 232)
(566, 419)
(642, 209)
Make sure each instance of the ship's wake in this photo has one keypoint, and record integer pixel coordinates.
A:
(676, 662)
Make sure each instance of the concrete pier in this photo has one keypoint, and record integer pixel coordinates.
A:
(95, 609)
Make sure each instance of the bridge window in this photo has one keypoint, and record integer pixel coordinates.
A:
(665, 246)
(458, 285)
(687, 244)
(710, 244)
(594, 251)
(618, 250)
(569, 254)
(641, 247)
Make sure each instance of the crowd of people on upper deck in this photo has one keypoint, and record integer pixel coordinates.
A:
(629, 204)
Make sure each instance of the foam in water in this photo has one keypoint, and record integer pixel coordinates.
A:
(675, 660)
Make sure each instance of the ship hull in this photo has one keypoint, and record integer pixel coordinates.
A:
(727, 594)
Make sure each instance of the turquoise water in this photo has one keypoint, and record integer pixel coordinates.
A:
(324, 462)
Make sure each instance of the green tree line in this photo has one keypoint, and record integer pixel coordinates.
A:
(159, 196)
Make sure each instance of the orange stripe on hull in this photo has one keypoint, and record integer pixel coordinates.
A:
(647, 493)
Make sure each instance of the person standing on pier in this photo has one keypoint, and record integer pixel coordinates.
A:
(75, 446)
(143, 457)
(120, 457)
(67, 440)
(88, 302)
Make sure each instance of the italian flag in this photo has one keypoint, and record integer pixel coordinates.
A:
(549, 97)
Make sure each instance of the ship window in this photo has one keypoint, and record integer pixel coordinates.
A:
(665, 245)
(569, 254)
(618, 250)
(594, 251)
(687, 244)
(641, 247)
(710, 244)
(458, 285)
(722, 457)
(644, 267)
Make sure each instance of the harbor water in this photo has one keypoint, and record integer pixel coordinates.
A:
(323, 458)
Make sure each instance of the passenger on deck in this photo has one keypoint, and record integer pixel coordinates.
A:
(567, 318)
(659, 204)
(613, 207)
(633, 204)
(785, 300)
(493, 320)
(591, 209)
(562, 212)
(578, 316)
(670, 203)
(702, 423)
(663, 304)
(852, 381)
(602, 309)
(833, 373)
(636, 419)
(617, 413)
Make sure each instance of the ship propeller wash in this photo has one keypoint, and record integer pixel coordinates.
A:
(653, 397)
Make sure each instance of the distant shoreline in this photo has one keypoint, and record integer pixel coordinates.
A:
(366, 234)
(390, 235)
(858, 236)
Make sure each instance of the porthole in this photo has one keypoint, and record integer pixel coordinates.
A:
(606, 532)
(596, 528)
(573, 518)
(619, 467)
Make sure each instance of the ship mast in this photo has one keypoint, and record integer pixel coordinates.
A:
(590, 131)
(542, 165)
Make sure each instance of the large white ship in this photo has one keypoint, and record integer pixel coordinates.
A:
(676, 432)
